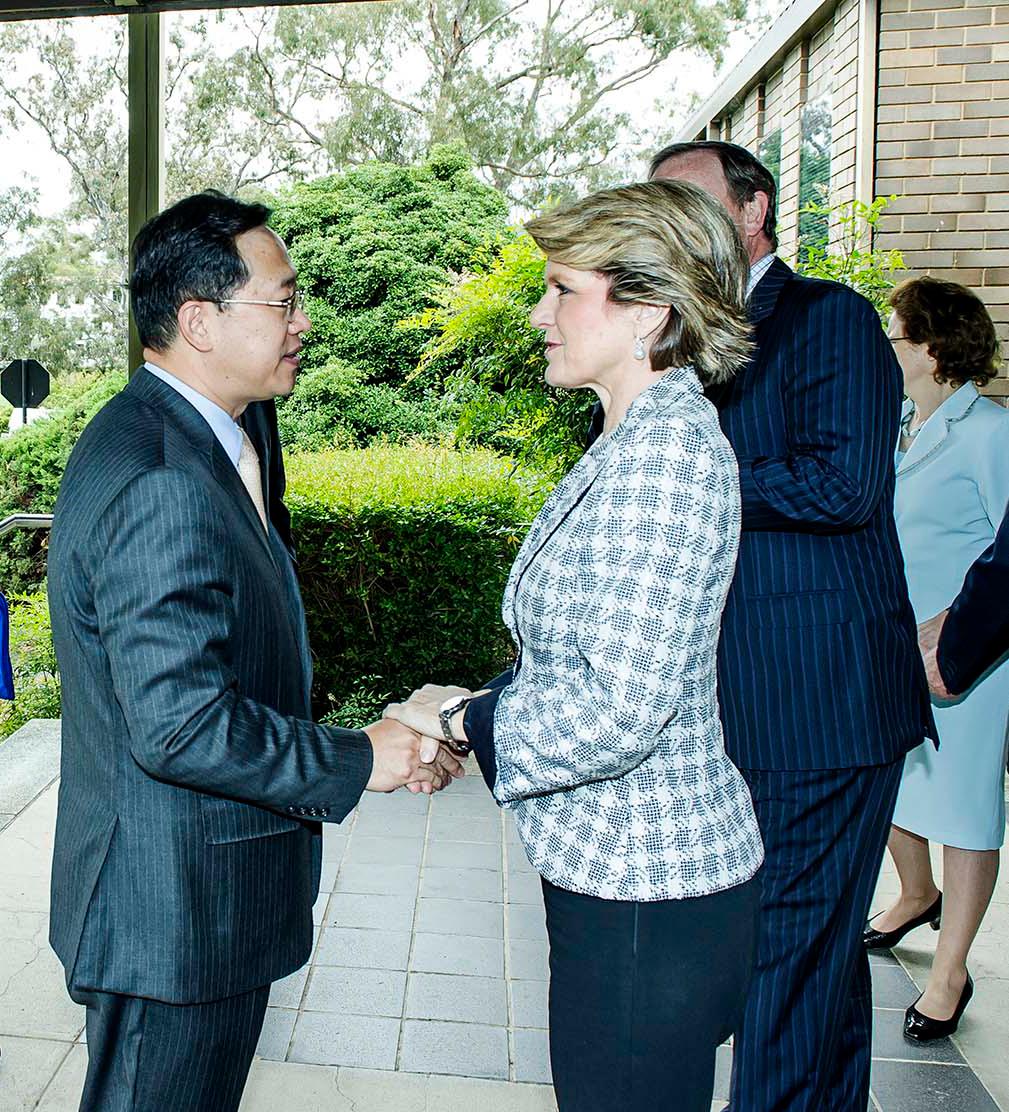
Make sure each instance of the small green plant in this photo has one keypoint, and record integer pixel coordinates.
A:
(36, 676)
(849, 256)
(361, 705)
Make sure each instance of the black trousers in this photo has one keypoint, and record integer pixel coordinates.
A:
(641, 995)
(805, 1041)
(147, 1056)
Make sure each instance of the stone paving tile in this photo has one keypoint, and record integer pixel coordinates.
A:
(271, 1085)
(451, 829)
(319, 908)
(29, 762)
(276, 1034)
(527, 921)
(26, 1068)
(463, 999)
(892, 987)
(459, 1094)
(366, 849)
(461, 884)
(888, 1041)
(528, 960)
(64, 1091)
(396, 880)
(467, 1049)
(33, 996)
(531, 1055)
(334, 844)
(353, 909)
(328, 1039)
(363, 948)
(391, 824)
(365, 992)
(287, 992)
(5, 819)
(525, 888)
(329, 873)
(723, 1072)
(470, 806)
(928, 1088)
(470, 917)
(529, 1003)
(458, 953)
(464, 855)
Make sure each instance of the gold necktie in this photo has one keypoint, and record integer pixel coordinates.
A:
(248, 468)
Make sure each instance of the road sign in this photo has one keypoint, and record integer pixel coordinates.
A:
(25, 383)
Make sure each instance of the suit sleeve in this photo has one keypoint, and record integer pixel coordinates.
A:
(633, 635)
(164, 605)
(842, 406)
(976, 631)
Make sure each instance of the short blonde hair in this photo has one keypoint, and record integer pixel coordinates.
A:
(663, 243)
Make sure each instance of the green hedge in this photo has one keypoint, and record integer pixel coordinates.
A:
(403, 555)
(31, 468)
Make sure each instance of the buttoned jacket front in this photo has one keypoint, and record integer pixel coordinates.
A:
(608, 741)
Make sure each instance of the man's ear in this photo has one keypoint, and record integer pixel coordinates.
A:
(754, 214)
(194, 327)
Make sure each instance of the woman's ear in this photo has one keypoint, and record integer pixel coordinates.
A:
(650, 318)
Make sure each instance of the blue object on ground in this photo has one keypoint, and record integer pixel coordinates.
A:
(6, 675)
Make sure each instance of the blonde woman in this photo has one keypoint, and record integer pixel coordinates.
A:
(604, 740)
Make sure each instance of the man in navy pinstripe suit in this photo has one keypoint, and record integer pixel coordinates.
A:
(188, 839)
(821, 684)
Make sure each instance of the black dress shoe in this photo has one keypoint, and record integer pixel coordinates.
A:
(923, 1028)
(873, 939)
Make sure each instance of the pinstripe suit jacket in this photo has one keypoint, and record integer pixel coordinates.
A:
(818, 658)
(186, 861)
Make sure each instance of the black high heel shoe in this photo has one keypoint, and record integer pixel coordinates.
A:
(873, 939)
(923, 1028)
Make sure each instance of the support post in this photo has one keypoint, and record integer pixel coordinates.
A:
(146, 107)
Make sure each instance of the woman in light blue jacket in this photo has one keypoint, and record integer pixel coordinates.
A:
(606, 733)
(951, 495)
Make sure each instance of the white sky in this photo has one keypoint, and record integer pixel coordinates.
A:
(26, 160)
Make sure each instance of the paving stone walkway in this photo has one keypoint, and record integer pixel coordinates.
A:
(427, 985)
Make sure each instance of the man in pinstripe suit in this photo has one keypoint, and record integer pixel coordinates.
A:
(188, 845)
(821, 685)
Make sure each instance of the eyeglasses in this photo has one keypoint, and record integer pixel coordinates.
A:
(291, 304)
(897, 339)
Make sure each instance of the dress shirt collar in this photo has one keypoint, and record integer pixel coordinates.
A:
(220, 422)
(757, 271)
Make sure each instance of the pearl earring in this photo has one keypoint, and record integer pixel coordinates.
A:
(639, 348)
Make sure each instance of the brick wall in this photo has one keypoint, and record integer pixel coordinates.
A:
(942, 142)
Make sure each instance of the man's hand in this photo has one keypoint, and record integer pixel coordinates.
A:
(398, 759)
(928, 642)
(420, 713)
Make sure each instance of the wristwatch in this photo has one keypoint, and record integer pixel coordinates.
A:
(446, 712)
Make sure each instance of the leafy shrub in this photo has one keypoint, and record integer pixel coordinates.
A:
(31, 468)
(372, 244)
(332, 406)
(36, 679)
(485, 352)
(403, 555)
(849, 256)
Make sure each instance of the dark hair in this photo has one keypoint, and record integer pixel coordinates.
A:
(744, 173)
(951, 320)
(188, 253)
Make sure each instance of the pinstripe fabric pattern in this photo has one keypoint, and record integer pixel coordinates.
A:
(818, 660)
(804, 1042)
(145, 1056)
(182, 867)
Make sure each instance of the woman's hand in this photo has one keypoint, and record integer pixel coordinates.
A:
(420, 713)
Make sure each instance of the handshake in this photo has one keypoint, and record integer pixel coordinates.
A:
(409, 746)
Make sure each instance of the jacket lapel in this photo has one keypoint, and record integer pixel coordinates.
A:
(937, 427)
(176, 409)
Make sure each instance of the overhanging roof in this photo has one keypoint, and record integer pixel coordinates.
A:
(55, 9)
